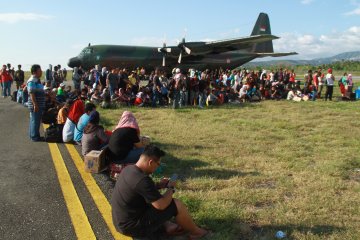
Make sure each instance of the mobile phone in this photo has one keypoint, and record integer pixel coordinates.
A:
(173, 178)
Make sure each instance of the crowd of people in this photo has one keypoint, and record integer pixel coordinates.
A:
(139, 208)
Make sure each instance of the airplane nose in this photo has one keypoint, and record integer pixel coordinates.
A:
(74, 62)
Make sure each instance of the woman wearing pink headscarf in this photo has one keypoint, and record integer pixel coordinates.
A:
(125, 145)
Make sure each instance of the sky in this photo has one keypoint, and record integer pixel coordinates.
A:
(51, 32)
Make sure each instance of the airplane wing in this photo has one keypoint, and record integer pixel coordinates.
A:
(241, 41)
(275, 54)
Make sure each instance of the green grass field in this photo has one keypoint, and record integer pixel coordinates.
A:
(251, 170)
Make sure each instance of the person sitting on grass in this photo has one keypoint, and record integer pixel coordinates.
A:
(95, 97)
(125, 145)
(94, 137)
(140, 210)
(212, 98)
(121, 97)
(83, 121)
(106, 103)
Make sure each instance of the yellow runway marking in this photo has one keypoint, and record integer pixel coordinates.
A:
(76, 211)
(98, 196)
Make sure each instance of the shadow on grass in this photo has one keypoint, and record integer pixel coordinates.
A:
(186, 168)
(221, 173)
(167, 146)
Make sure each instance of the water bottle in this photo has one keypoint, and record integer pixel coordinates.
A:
(280, 234)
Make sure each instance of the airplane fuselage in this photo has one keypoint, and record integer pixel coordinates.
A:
(113, 56)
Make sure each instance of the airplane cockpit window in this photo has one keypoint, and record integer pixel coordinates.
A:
(85, 52)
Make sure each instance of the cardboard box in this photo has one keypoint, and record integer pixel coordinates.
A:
(95, 161)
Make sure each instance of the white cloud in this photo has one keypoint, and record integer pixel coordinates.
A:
(311, 46)
(17, 17)
(354, 12)
(306, 1)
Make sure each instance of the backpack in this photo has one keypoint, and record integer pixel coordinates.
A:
(53, 134)
(14, 96)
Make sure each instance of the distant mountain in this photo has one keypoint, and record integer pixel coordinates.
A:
(347, 56)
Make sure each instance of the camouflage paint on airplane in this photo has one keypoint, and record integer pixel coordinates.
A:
(229, 53)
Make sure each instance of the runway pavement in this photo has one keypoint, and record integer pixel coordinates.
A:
(36, 180)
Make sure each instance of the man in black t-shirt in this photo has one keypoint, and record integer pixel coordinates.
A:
(140, 210)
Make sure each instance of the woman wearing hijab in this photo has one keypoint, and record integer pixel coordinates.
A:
(94, 137)
(125, 145)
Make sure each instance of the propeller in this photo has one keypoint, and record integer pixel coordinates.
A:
(165, 50)
(183, 48)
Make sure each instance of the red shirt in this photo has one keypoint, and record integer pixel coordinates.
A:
(5, 76)
(315, 81)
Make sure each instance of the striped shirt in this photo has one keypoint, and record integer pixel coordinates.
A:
(34, 86)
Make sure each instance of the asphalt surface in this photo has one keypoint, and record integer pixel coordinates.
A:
(32, 205)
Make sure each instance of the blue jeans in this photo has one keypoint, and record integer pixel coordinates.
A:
(202, 99)
(183, 98)
(7, 89)
(34, 126)
(133, 156)
(176, 99)
(112, 90)
(155, 98)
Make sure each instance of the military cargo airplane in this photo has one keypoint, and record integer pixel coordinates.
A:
(228, 54)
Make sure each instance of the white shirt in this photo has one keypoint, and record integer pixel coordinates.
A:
(329, 79)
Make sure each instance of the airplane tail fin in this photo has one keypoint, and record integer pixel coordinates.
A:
(262, 26)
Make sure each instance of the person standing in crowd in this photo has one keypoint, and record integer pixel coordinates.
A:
(140, 210)
(76, 79)
(315, 85)
(307, 81)
(176, 86)
(112, 81)
(36, 102)
(64, 73)
(349, 85)
(55, 78)
(6, 80)
(321, 83)
(103, 76)
(330, 79)
(202, 92)
(343, 85)
(49, 76)
(19, 77)
(156, 88)
(184, 95)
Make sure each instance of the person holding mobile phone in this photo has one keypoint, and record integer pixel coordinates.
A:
(140, 210)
